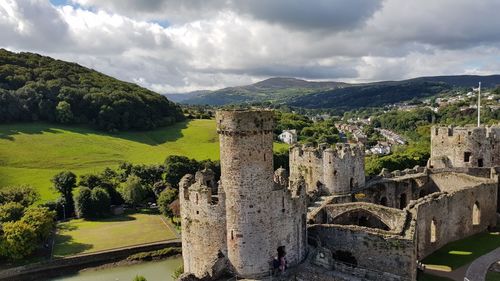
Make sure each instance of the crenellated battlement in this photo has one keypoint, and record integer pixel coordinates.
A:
(329, 169)
(244, 122)
(469, 146)
(338, 151)
(492, 131)
(201, 190)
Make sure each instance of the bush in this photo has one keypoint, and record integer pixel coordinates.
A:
(42, 221)
(165, 199)
(18, 241)
(132, 191)
(83, 202)
(178, 272)
(24, 195)
(11, 211)
(139, 278)
(100, 202)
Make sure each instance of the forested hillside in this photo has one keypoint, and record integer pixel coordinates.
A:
(35, 87)
(371, 95)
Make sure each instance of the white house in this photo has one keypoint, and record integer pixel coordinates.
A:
(288, 136)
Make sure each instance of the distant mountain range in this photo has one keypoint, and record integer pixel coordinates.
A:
(339, 95)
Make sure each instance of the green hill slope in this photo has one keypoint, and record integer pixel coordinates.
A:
(35, 87)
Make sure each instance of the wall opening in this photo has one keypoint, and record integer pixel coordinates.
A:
(345, 256)
(360, 217)
(476, 214)
(351, 183)
(402, 200)
(383, 201)
(433, 233)
(467, 156)
(480, 162)
(421, 193)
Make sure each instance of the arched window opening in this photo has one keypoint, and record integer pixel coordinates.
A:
(351, 183)
(402, 200)
(476, 214)
(433, 231)
(383, 201)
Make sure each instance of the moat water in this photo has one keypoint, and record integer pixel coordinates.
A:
(152, 271)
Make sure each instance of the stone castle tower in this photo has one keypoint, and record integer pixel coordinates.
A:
(464, 147)
(329, 170)
(255, 211)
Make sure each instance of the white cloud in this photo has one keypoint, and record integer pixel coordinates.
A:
(214, 44)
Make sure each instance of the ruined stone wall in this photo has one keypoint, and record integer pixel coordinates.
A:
(397, 191)
(203, 228)
(289, 224)
(337, 170)
(443, 217)
(260, 216)
(394, 254)
(464, 147)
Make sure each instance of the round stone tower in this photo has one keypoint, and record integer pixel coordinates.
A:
(246, 153)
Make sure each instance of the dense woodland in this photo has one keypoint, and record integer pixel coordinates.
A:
(34, 87)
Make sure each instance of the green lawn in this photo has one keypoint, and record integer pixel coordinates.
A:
(492, 276)
(428, 277)
(82, 236)
(31, 153)
(459, 253)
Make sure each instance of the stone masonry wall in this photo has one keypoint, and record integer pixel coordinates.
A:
(336, 171)
(443, 217)
(465, 147)
(395, 254)
(203, 228)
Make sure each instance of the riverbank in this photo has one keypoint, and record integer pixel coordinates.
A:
(55, 267)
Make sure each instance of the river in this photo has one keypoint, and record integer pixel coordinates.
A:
(152, 271)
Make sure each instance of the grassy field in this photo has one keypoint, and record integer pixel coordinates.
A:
(492, 276)
(462, 252)
(31, 153)
(82, 236)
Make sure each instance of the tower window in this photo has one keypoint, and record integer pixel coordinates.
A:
(433, 231)
(476, 214)
(480, 162)
(467, 156)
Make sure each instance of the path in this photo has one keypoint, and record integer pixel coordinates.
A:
(479, 267)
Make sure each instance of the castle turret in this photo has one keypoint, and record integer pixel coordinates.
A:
(459, 147)
(336, 170)
(246, 147)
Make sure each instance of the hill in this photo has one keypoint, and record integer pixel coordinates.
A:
(35, 87)
(32, 153)
(337, 95)
(274, 89)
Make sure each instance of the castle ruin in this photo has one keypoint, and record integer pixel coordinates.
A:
(458, 147)
(380, 229)
(253, 211)
(329, 170)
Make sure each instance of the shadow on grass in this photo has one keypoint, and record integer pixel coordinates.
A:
(65, 246)
(150, 137)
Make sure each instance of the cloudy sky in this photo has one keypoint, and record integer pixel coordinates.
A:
(184, 45)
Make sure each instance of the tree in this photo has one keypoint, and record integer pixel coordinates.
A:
(132, 191)
(100, 201)
(24, 195)
(64, 183)
(18, 241)
(165, 199)
(63, 112)
(41, 219)
(83, 203)
(139, 278)
(11, 211)
(178, 166)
